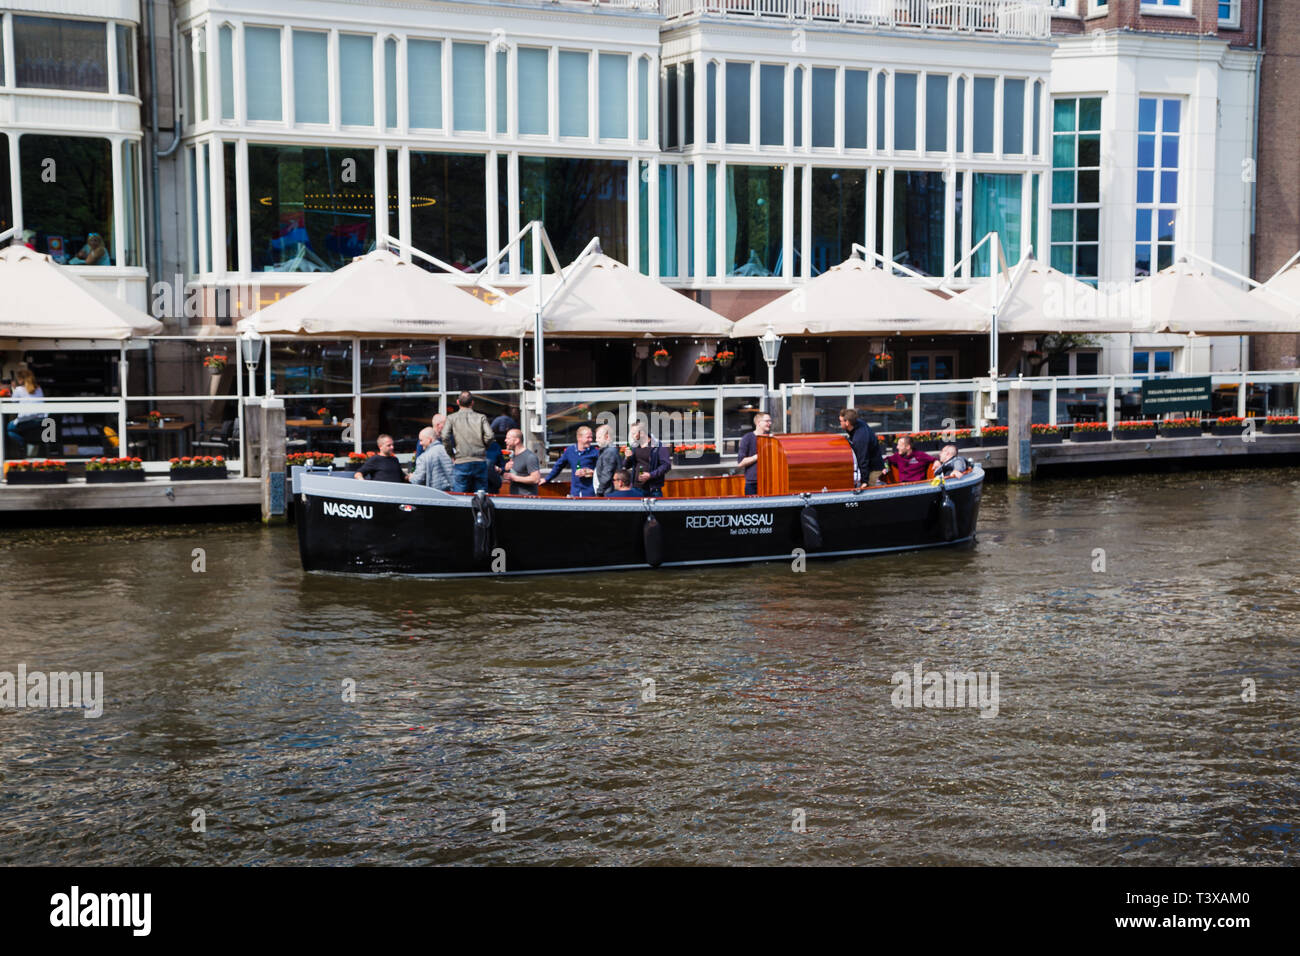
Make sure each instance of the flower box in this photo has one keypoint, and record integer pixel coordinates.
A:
(696, 458)
(1282, 425)
(1089, 434)
(1181, 428)
(15, 477)
(994, 436)
(1229, 427)
(1044, 435)
(1135, 431)
(198, 474)
(115, 476)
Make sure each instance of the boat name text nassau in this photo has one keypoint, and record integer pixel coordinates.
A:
(344, 510)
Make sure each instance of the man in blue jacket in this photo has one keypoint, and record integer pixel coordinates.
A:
(868, 462)
(580, 458)
(648, 460)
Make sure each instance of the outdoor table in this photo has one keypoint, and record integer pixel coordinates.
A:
(315, 429)
(177, 430)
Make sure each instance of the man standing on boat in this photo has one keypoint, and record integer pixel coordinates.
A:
(868, 463)
(648, 459)
(581, 459)
(523, 474)
(747, 455)
(383, 466)
(608, 462)
(466, 436)
(433, 466)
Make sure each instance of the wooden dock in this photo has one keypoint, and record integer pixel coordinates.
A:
(152, 493)
(1188, 451)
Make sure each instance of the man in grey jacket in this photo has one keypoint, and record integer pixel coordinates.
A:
(608, 462)
(466, 437)
(433, 467)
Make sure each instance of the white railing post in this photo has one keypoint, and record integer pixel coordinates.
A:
(1110, 405)
(916, 406)
(1241, 397)
(1051, 403)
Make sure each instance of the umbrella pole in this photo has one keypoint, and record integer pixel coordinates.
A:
(993, 325)
(538, 356)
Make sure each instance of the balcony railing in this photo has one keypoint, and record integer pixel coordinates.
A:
(1017, 19)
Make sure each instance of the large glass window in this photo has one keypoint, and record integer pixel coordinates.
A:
(231, 233)
(1076, 186)
(985, 91)
(424, 83)
(798, 106)
(533, 74)
(670, 108)
(503, 90)
(823, 107)
(839, 215)
(711, 102)
(643, 98)
(311, 209)
(670, 179)
(688, 104)
(771, 102)
(573, 93)
(469, 87)
(1159, 127)
(125, 58)
(390, 83)
(356, 79)
(613, 95)
(67, 193)
(132, 235)
(936, 113)
(449, 207)
(995, 207)
(576, 199)
(226, 42)
(961, 114)
(855, 108)
(58, 54)
(919, 221)
(1013, 116)
(738, 103)
(882, 96)
(905, 111)
(262, 74)
(754, 208)
(311, 101)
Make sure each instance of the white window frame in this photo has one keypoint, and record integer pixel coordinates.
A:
(932, 354)
(1162, 8)
(1233, 20)
(1063, 8)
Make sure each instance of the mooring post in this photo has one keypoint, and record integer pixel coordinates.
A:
(1020, 411)
(272, 470)
(803, 409)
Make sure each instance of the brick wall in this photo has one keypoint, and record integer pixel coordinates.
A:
(1128, 15)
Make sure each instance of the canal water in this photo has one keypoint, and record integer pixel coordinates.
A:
(1142, 629)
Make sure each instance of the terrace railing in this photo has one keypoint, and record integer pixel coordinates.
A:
(1015, 19)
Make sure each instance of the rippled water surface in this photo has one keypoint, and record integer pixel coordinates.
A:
(1120, 693)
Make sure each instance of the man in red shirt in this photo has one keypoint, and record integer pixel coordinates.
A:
(911, 465)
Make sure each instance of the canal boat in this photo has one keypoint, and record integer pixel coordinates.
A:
(806, 508)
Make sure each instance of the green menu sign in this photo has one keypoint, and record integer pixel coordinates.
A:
(1175, 395)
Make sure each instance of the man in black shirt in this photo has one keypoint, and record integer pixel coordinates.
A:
(747, 454)
(869, 463)
(384, 466)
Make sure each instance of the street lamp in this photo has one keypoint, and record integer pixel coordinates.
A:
(251, 345)
(770, 343)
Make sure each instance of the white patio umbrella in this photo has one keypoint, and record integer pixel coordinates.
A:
(379, 294)
(42, 300)
(1188, 298)
(602, 296)
(1045, 300)
(853, 298)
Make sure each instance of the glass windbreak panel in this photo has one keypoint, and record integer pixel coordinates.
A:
(823, 107)
(919, 221)
(855, 108)
(576, 199)
(826, 411)
(938, 407)
(671, 137)
(310, 72)
(985, 90)
(188, 428)
(643, 98)
(262, 74)
(839, 215)
(6, 194)
(356, 79)
(1013, 116)
(905, 111)
(573, 93)
(449, 208)
(771, 102)
(58, 54)
(798, 107)
(476, 365)
(125, 58)
(738, 103)
(669, 221)
(305, 214)
(131, 205)
(310, 367)
(996, 208)
(711, 102)
(613, 95)
(565, 417)
(936, 113)
(533, 74)
(887, 414)
(679, 421)
(390, 84)
(400, 366)
(67, 197)
(469, 87)
(400, 418)
(424, 83)
(226, 41)
(738, 416)
(754, 208)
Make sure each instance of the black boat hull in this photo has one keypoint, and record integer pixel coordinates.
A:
(377, 528)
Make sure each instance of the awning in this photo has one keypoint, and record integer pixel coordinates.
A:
(853, 298)
(379, 294)
(1283, 292)
(1044, 300)
(42, 300)
(1189, 298)
(602, 296)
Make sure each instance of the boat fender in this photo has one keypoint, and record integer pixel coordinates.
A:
(652, 533)
(484, 521)
(812, 529)
(947, 515)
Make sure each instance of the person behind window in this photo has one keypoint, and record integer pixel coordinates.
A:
(93, 253)
(25, 428)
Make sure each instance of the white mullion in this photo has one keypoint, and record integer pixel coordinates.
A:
(700, 103)
(9, 77)
(403, 119)
(512, 98)
(652, 90)
(681, 105)
(654, 217)
(217, 194)
(239, 80)
(680, 173)
(968, 111)
(951, 124)
(1027, 147)
(870, 242)
(720, 106)
(242, 213)
(490, 54)
(633, 101)
(950, 233)
(805, 224)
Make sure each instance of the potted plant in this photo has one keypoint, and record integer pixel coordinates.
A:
(1282, 425)
(661, 358)
(881, 360)
(994, 435)
(509, 357)
(961, 437)
(104, 471)
(1230, 425)
(358, 458)
(198, 468)
(926, 441)
(155, 419)
(317, 459)
(1045, 435)
(1180, 428)
(215, 364)
(704, 364)
(1135, 430)
(43, 472)
(724, 358)
(695, 454)
(1090, 431)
